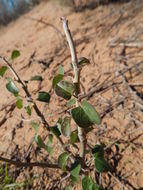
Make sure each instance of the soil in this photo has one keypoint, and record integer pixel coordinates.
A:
(111, 37)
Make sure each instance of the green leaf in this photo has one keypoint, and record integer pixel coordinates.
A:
(88, 184)
(36, 77)
(64, 89)
(11, 87)
(62, 160)
(19, 103)
(41, 144)
(81, 119)
(98, 151)
(48, 146)
(15, 54)
(82, 61)
(73, 137)
(91, 112)
(55, 131)
(28, 110)
(3, 70)
(50, 139)
(61, 70)
(56, 80)
(65, 126)
(71, 102)
(35, 126)
(101, 165)
(49, 149)
(68, 188)
(75, 172)
(43, 97)
(39, 141)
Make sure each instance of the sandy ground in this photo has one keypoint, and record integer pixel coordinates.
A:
(111, 37)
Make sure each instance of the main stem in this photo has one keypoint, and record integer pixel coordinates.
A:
(76, 81)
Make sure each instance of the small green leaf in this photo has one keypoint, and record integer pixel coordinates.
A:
(3, 69)
(49, 149)
(15, 54)
(35, 126)
(88, 184)
(56, 80)
(73, 137)
(55, 130)
(61, 70)
(28, 110)
(75, 172)
(68, 188)
(11, 87)
(91, 112)
(71, 102)
(64, 89)
(82, 61)
(36, 77)
(50, 139)
(98, 151)
(39, 141)
(81, 119)
(62, 160)
(43, 97)
(101, 165)
(65, 126)
(19, 103)
(48, 146)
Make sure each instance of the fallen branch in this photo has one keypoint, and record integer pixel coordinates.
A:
(127, 44)
(29, 164)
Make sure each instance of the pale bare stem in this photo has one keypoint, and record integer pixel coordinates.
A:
(76, 81)
(38, 112)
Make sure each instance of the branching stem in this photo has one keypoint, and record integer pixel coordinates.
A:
(37, 110)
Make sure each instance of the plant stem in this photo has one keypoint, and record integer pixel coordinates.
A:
(76, 81)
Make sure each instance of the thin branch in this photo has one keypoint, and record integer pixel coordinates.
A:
(24, 86)
(29, 164)
(127, 44)
(121, 183)
(38, 112)
(48, 24)
(76, 81)
(129, 133)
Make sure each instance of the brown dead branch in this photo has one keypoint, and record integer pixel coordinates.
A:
(29, 164)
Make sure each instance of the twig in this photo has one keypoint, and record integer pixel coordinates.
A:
(123, 185)
(76, 81)
(48, 24)
(129, 133)
(106, 85)
(29, 164)
(127, 44)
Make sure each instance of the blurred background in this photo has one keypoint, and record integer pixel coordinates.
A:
(11, 9)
